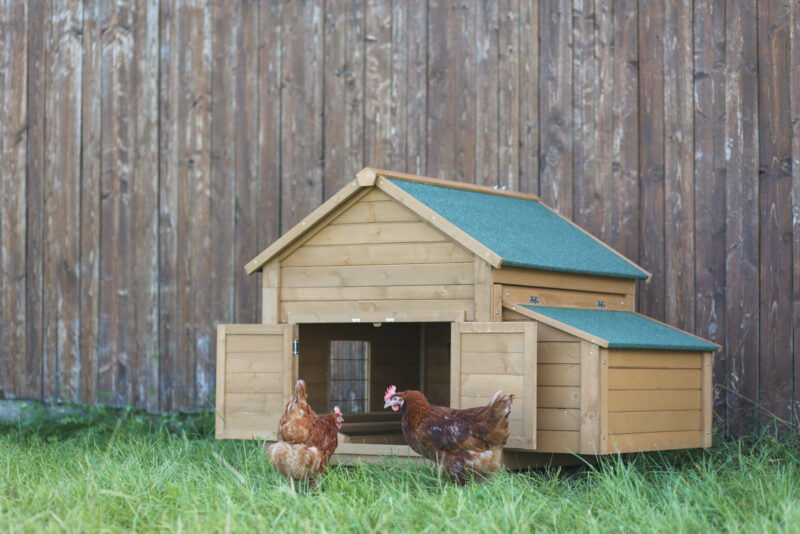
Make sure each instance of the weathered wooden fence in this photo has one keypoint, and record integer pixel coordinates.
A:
(149, 148)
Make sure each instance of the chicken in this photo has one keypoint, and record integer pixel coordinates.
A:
(305, 440)
(463, 442)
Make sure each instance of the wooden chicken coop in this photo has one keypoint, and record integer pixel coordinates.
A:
(459, 290)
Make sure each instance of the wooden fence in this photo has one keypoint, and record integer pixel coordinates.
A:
(149, 148)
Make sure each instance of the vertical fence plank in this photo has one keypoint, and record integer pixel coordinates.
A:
(269, 123)
(508, 94)
(709, 187)
(62, 201)
(775, 222)
(651, 155)
(378, 124)
(794, 84)
(741, 234)
(604, 222)
(486, 92)
(301, 122)
(248, 187)
(13, 142)
(679, 286)
(31, 385)
(585, 91)
(440, 91)
(90, 200)
(624, 236)
(462, 99)
(416, 44)
(555, 110)
(399, 88)
(529, 96)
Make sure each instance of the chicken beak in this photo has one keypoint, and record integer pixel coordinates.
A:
(394, 404)
(388, 404)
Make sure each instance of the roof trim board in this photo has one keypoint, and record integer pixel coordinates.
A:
(580, 334)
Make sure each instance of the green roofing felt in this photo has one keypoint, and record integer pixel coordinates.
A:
(523, 232)
(626, 330)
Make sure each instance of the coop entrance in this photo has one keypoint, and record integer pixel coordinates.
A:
(351, 365)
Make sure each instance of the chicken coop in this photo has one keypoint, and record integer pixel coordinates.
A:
(459, 290)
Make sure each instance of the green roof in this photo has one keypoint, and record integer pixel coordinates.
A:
(625, 330)
(523, 232)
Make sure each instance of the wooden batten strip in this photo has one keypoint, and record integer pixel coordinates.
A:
(316, 216)
(706, 400)
(519, 308)
(450, 184)
(590, 399)
(440, 223)
(219, 426)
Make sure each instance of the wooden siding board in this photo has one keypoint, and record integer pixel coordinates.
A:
(415, 43)
(794, 84)
(709, 190)
(508, 105)
(775, 210)
(529, 162)
(741, 206)
(486, 94)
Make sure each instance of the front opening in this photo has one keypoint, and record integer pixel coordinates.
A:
(352, 364)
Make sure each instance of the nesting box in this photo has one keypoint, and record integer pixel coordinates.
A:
(459, 290)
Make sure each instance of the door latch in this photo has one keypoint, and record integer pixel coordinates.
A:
(295, 343)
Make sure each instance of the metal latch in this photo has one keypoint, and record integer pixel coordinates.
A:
(295, 342)
(534, 300)
(601, 304)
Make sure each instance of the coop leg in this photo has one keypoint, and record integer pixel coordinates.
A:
(291, 482)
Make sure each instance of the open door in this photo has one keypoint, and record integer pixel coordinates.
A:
(486, 357)
(256, 373)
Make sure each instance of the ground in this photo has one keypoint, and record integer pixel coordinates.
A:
(112, 471)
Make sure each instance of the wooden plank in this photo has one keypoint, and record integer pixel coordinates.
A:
(378, 254)
(707, 399)
(558, 351)
(377, 83)
(493, 343)
(31, 378)
(654, 379)
(741, 223)
(450, 184)
(511, 363)
(252, 382)
(654, 359)
(555, 89)
(550, 334)
(302, 107)
(455, 365)
(254, 362)
(13, 191)
(589, 381)
(567, 299)
(483, 290)
(794, 40)
(253, 343)
(496, 313)
(558, 325)
(602, 221)
(602, 402)
(349, 276)
(378, 317)
(530, 385)
(557, 441)
(221, 394)
(271, 293)
(651, 154)
(656, 441)
(446, 292)
(384, 210)
(344, 93)
(385, 307)
(415, 43)
(559, 374)
(488, 385)
(508, 90)
(555, 280)
(529, 96)
(709, 164)
(558, 419)
(394, 232)
(660, 421)
(679, 224)
(776, 365)
(62, 169)
(558, 397)
(643, 400)
(486, 94)
(623, 230)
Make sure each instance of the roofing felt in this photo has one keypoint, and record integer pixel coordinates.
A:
(523, 232)
(625, 330)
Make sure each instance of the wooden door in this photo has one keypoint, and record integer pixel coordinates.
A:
(256, 373)
(486, 357)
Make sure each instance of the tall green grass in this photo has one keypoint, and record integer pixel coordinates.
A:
(104, 471)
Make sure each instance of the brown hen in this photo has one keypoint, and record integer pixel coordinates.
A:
(305, 440)
(463, 442)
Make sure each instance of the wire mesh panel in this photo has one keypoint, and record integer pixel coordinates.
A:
(349, 376)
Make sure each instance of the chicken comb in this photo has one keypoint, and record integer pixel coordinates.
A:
(336, 410)
(391, 390)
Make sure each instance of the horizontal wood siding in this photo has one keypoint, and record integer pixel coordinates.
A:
(376, 256)
(567, 298)
(654, 400)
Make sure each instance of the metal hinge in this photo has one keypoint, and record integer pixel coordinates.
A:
(534, 300)
(295, 343)
(601, 304)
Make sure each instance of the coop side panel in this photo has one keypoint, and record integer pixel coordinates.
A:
(655, 400)
(376, 256)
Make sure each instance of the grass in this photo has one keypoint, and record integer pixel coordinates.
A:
(108, 471)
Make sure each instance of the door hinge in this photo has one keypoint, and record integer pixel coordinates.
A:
(295, 343)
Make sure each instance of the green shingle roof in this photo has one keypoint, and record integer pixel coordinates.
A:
(523, 232)
(625, 330)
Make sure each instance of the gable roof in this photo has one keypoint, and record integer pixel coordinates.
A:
(502, 227)
(617, 329)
